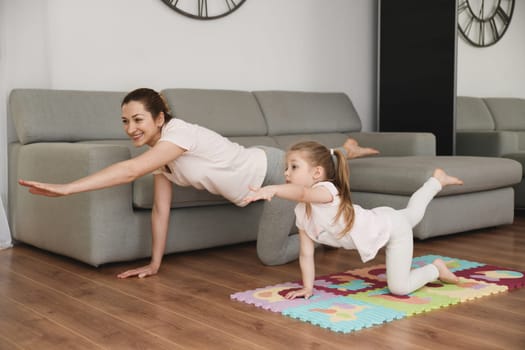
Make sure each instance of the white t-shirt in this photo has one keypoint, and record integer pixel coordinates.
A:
(370, 231)
(212, 162)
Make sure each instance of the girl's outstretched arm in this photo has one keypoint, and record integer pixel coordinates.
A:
(306, 260)
(116, 174)
(291, 192)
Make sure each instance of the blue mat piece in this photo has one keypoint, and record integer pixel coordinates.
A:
(343, 314)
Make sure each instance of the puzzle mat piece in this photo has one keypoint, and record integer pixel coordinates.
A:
(411, 304)
(466, 289)
(374, 273)
(497, 275)
(343, 314)
(272, 297)
(452, 263)
(345, 284)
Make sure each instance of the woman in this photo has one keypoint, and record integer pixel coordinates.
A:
(191, 155)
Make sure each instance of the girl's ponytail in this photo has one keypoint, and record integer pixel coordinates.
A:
(342, 183)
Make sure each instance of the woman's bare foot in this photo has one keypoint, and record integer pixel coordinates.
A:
(353, 150)
(445, 275)
(446, 179)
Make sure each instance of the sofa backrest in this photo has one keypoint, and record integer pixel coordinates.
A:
(230, 113)
(64, 115)
(508, 113)
(71, 116)
(472, 114)
(294, 112)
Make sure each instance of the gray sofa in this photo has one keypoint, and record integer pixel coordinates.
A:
(493, 127)
(64, 135)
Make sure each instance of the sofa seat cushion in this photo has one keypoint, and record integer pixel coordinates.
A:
(404, 175)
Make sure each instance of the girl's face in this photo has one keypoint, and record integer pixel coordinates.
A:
(299, 172)
(139, 124)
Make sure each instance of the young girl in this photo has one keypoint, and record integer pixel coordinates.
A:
(191, 155)
(325, 214)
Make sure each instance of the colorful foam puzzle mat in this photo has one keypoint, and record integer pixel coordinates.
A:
(356, 299)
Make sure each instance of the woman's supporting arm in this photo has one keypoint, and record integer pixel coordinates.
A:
(160, 216)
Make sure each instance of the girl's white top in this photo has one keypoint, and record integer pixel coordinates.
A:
(212, 162)
(370, 231)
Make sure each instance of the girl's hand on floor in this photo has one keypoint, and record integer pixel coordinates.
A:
(140, 272)
(305, 293)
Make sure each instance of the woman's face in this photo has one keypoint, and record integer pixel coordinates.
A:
(139, 124)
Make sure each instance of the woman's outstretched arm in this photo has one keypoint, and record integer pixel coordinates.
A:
(116, 174)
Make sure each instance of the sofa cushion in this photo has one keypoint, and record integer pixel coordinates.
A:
(230, 113)
(292, 112)
(472, 114)
(508, 113)
(518, 157)
(65, 115)
(404, 175)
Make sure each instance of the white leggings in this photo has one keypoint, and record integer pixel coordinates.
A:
(399, 249)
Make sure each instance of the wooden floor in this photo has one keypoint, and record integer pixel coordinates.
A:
(50, 302)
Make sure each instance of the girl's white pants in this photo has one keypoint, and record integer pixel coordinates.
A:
(401, 278)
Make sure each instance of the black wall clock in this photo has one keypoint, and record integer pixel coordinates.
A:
(204, 9)
(483, 22)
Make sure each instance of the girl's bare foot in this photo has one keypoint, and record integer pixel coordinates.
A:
(353, 150)
(445, 275)
(446, 179)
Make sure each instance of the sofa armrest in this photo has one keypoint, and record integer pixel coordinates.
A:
(83, 226)
(392, 144)
(486, 143)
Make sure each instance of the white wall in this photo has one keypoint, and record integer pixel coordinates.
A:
(498, 70)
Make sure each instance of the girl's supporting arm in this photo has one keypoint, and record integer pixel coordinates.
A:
(306, 261)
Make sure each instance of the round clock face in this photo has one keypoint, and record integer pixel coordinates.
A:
(204, 9)
(483, 22)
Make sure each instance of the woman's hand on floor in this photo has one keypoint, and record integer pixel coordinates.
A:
(141, 272)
